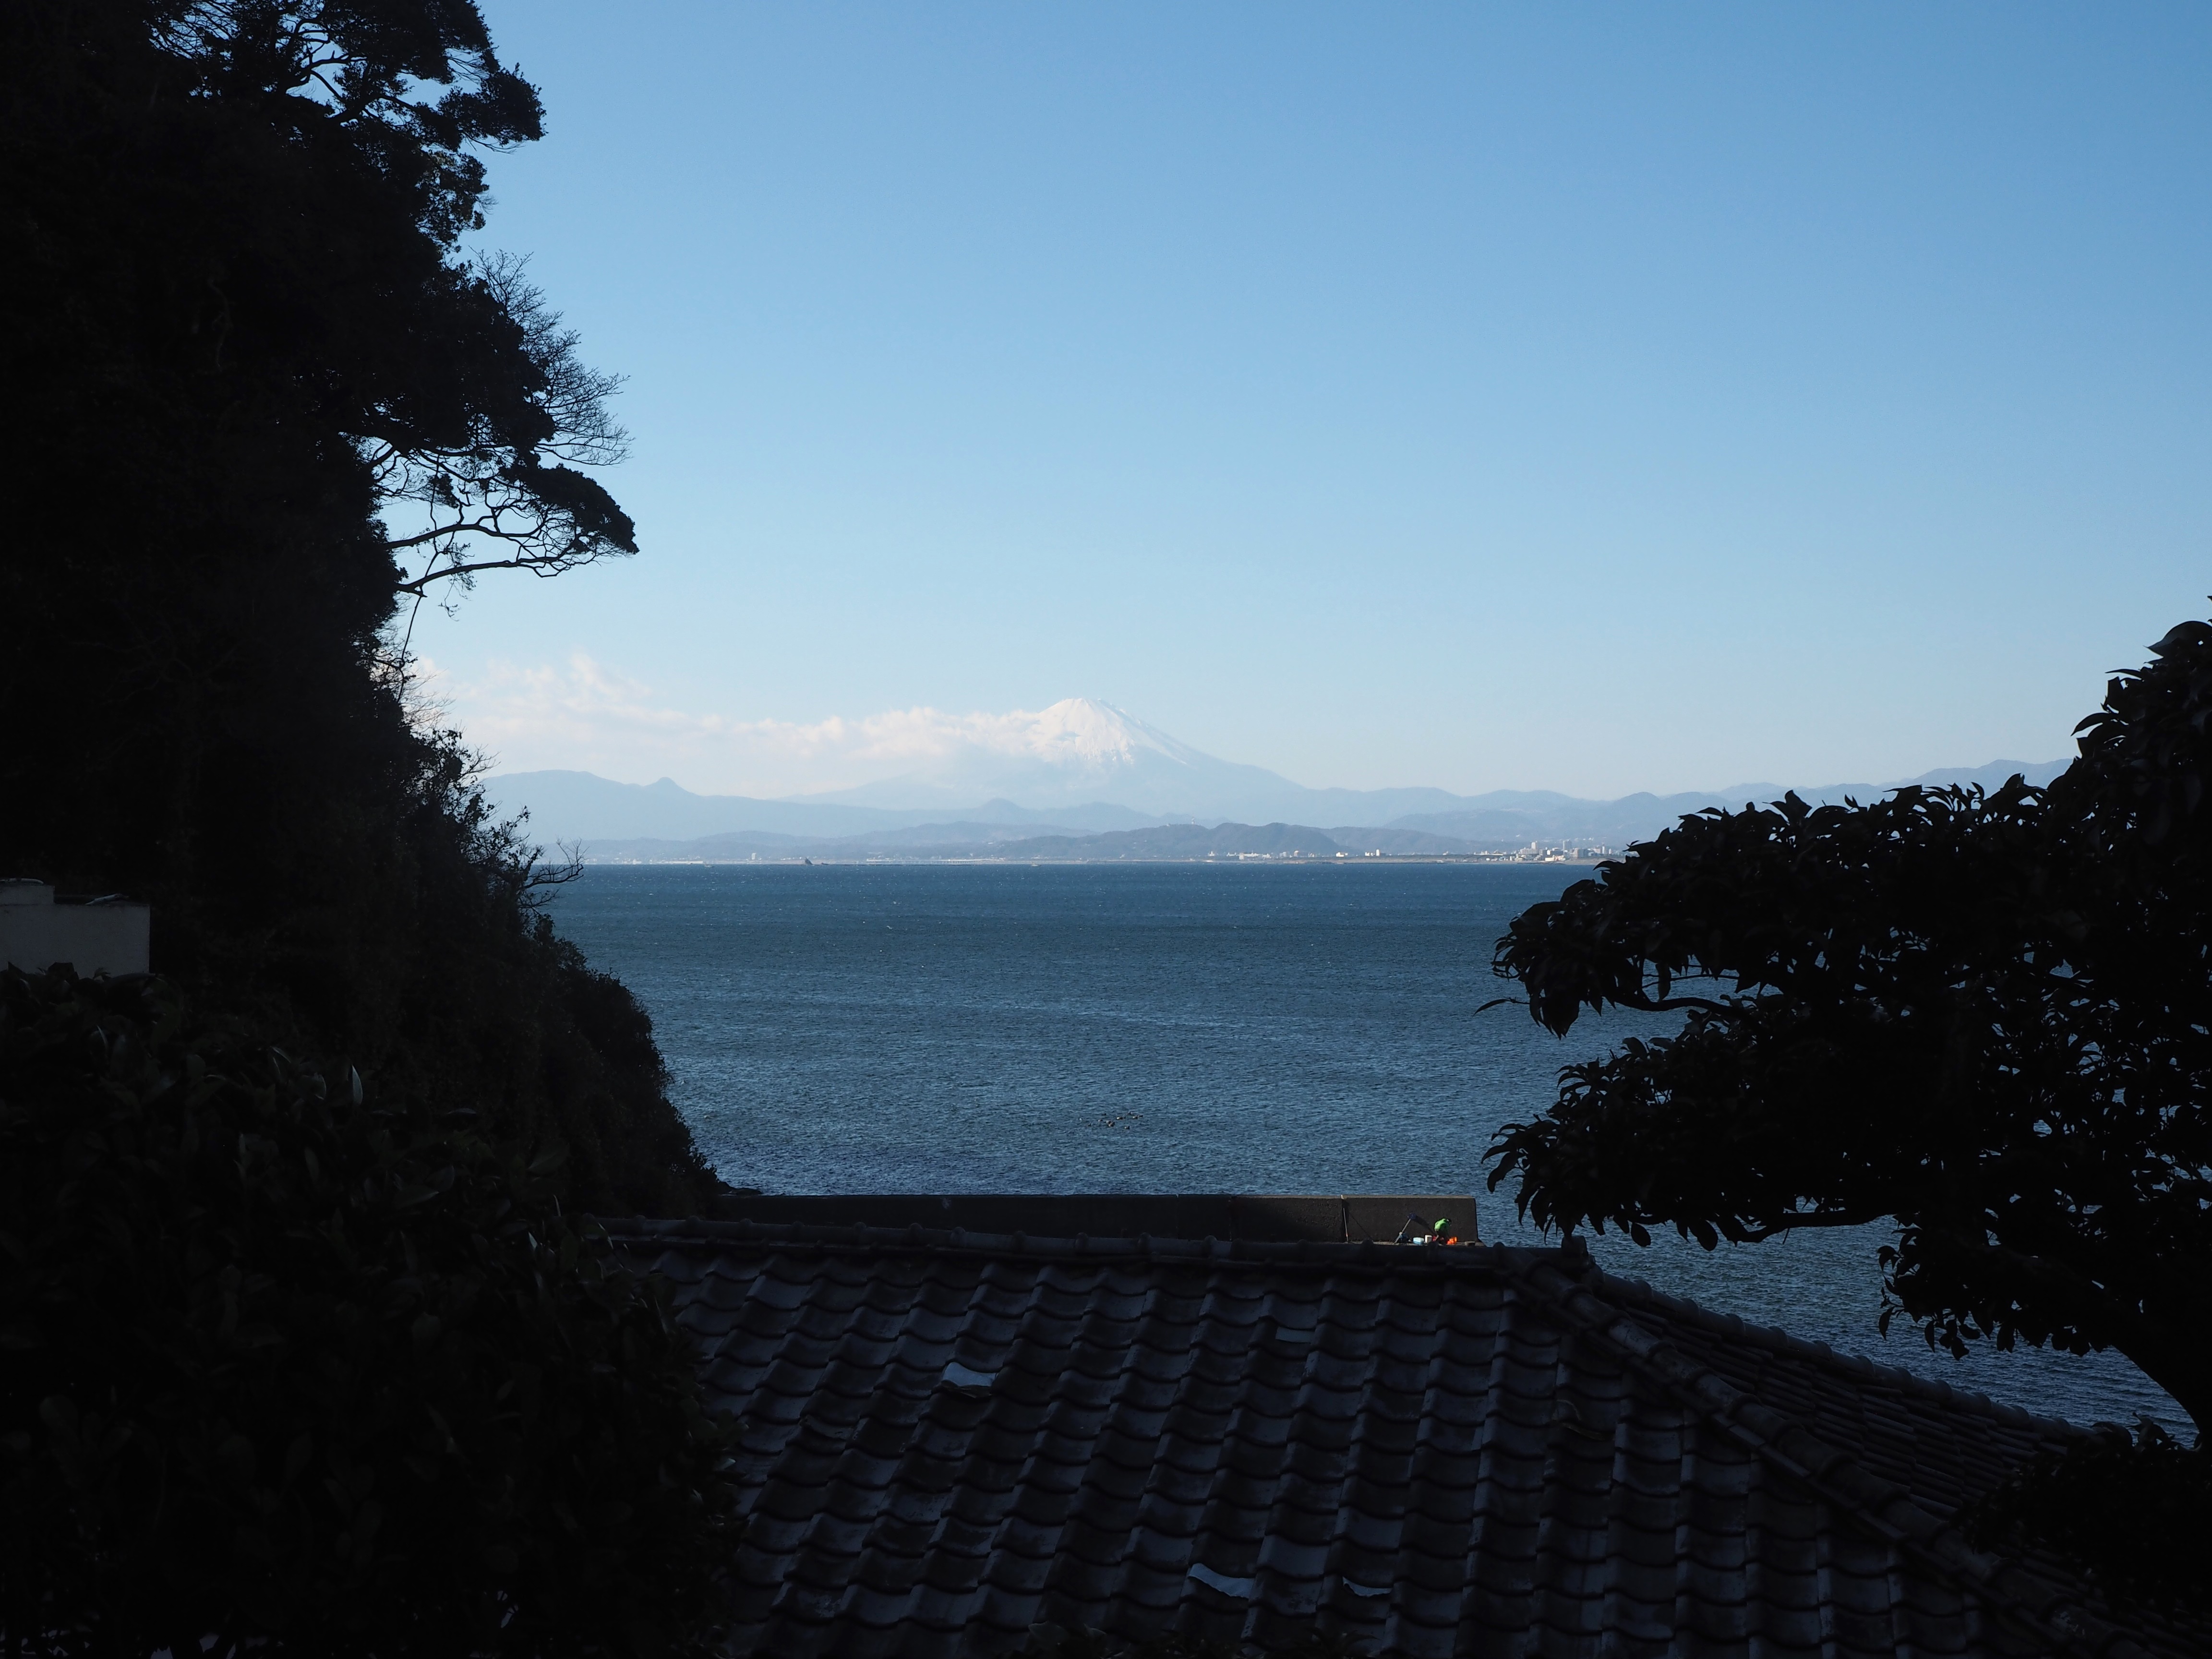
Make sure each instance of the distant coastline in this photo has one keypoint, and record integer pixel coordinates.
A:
(969, 862)
(1171, 843)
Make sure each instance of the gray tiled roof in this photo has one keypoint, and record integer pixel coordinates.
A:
(947, 1439)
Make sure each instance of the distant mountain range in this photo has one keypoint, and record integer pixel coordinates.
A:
(1084, 779)
(581, 806)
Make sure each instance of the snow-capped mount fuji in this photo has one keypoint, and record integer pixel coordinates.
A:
(1078, 750)
(1087, 732)
(1083, 739)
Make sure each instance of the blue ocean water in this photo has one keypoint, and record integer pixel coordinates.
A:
(1309, 1027)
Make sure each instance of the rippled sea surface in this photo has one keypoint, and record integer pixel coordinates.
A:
(1169, 1028)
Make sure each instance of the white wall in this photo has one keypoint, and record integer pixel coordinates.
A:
(108, 936)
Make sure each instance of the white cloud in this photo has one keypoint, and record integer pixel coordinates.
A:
(585, 717)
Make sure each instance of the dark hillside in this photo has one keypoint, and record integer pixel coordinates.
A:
(243, 359)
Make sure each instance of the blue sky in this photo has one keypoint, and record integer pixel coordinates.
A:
(1588, 398)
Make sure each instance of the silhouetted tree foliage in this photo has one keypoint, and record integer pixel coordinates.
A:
(1984, 1016)
(2132, 1507)
(258, 402)
(324, 1369)
(311, 1373)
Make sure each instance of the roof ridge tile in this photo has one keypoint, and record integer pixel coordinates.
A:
(1781, 1341)
(1878, 1504)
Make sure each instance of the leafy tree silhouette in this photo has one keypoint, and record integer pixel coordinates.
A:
(297, 1365)
(1985, 1017)
(261, 403)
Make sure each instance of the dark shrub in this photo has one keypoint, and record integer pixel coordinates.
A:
(290, 1359)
